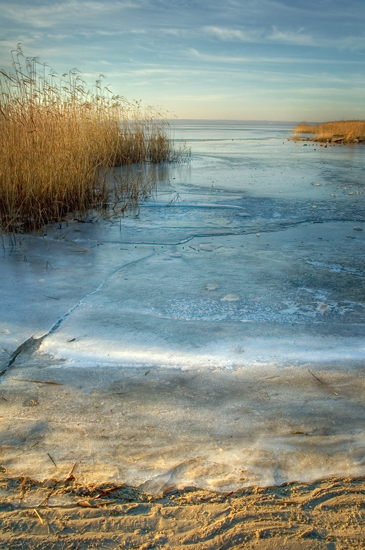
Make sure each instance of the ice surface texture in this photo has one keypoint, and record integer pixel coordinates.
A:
(250, 260)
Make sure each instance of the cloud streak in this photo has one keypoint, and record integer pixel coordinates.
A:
(259, 59)
(50, 14)
(285, 37)
(293, 38)
(231, 35)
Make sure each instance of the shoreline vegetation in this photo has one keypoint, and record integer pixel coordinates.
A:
(60, 143)
(342, 131)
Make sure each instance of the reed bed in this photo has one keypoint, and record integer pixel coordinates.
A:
(60, 141)
(342, 131)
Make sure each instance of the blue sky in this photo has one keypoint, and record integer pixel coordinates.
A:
(233, 59)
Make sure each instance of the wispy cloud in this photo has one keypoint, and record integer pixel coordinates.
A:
(217, 58)
(176, 32)
(353, 42)
(251, 73)
(300, 38)
(294, 37)
(48, 15)
(231, 35)
(107, 32)
(297, 38)
(261, 59)
(260, 35)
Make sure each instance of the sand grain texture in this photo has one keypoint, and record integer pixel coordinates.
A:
(328, 514)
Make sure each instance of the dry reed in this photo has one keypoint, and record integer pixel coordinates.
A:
(342, 131)
(59, 143)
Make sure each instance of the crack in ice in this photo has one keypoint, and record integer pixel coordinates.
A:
(33, 344)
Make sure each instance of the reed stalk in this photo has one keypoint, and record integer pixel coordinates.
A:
(59, 143)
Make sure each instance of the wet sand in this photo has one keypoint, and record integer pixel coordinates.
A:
(62, 514)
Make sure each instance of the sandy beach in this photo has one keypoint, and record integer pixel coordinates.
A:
(62, 514)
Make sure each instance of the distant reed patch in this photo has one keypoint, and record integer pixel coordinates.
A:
(342, 131)
(59, 143)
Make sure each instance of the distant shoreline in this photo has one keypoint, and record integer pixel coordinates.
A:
(336, 132)
(218, 121)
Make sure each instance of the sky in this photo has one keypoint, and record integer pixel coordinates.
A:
(290, 60)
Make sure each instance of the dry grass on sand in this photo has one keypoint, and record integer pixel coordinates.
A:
(343, 131)
(61, 514)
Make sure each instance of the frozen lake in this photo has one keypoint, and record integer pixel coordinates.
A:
(214, 336)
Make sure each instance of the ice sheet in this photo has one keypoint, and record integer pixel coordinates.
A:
(228, 309)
